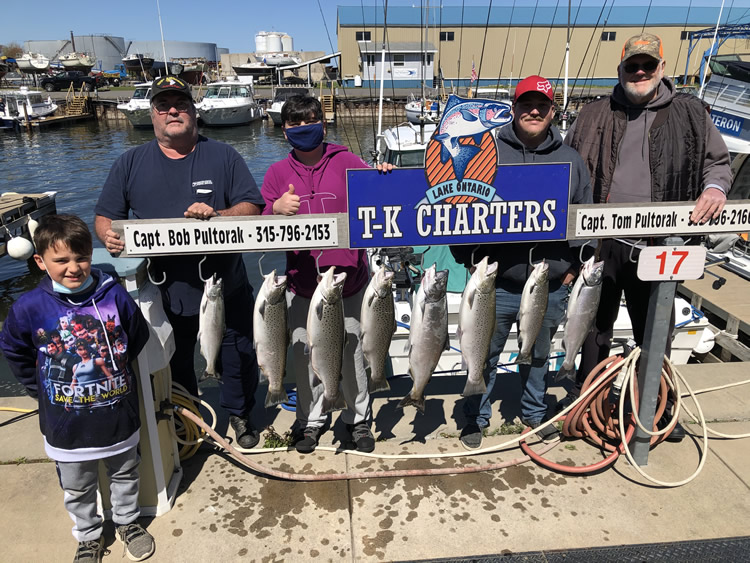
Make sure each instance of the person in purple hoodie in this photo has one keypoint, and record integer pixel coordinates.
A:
(312, 179)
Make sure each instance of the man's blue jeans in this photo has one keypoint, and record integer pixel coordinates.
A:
(478, 409)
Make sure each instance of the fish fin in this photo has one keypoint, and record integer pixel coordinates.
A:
(395, 326)
(441, 136)
(316, 380)
(274, 398)
(465, 154)
(478, 137)
(467, 115)
(447, 345)
(319, 309)
(409, 400)
(459, 332)
(331, 404)
(262, 378)
(474, 388)
(370, 300)
(307, 348)
(262, 309)
(378, 384)
(445, 154)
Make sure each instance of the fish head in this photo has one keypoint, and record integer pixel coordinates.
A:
(214, 288)
(593, 272)
(383, 282)
(332, 285)
(484, 275)
(274, 287)
(495, 115)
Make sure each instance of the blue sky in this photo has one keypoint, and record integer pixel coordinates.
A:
(228, 24)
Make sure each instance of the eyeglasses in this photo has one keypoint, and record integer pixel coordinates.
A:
(162, 106)
(632, 68)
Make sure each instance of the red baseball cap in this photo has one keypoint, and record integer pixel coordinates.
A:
(534, 84)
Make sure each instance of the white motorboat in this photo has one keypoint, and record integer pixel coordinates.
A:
(32, 63)
(78, 61)
(728, 95)
(22, 104)
(282, 95)
(229, 103)
(429, 109)
(138, 108)
(405, 144)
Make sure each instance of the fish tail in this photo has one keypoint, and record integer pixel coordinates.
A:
(564, 371)
(276, 397)
(335, 403)
(209, 374)
(416, 402)
(524, 358)
(474, 387)
(378, 383)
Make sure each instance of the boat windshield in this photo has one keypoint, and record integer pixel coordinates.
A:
(142, 93)
(35, 98)
(405, 159)
(227, 92)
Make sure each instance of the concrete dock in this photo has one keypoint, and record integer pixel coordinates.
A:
(224, 512)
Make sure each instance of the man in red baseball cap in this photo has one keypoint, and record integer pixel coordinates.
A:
(530, 139)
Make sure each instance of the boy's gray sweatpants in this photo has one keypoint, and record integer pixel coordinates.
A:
(79, 481)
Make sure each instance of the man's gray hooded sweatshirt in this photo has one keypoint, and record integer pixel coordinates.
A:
(513, 258)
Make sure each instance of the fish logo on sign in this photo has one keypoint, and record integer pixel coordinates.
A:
(461, 157)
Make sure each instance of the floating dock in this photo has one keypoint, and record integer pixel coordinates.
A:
(16, 210)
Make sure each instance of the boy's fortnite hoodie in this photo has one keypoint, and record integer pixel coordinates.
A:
(73, 353)
(321, 189)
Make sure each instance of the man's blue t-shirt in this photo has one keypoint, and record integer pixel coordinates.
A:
(145, 184)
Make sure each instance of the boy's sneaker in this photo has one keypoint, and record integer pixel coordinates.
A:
(138, 543)
(89, 552)
(309, 439)
(362, 436)
(471, 437)
(549, 432)
(246, 434)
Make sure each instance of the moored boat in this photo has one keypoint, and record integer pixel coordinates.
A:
(281, 96)
(23, 104)
(138, 108)
(229, 103)
(728, 95)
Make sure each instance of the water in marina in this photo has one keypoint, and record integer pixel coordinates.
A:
(74, 161)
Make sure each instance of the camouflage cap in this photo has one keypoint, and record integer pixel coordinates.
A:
(643, 44)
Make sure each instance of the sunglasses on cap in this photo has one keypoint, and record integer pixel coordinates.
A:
(632, 68)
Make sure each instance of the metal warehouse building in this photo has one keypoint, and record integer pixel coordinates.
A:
(514, 39)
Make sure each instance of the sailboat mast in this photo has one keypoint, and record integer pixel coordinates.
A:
(565, 87)
(163, 47)
(710, 51)
(382, 84)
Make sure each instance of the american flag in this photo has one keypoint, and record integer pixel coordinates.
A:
(473, 72)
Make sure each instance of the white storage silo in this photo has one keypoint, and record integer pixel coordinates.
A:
(261, 43)
(273, 42)
(287, 43)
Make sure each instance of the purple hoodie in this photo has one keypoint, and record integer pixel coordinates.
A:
(321, 189)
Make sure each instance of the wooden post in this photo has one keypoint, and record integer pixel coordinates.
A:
(26, 116)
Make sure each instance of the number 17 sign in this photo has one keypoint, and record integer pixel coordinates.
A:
(671, 263)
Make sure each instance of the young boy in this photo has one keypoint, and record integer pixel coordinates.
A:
(312, 179)
(84, 415)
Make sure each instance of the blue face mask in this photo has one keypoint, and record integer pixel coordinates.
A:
(305, 138)
(60, 288)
